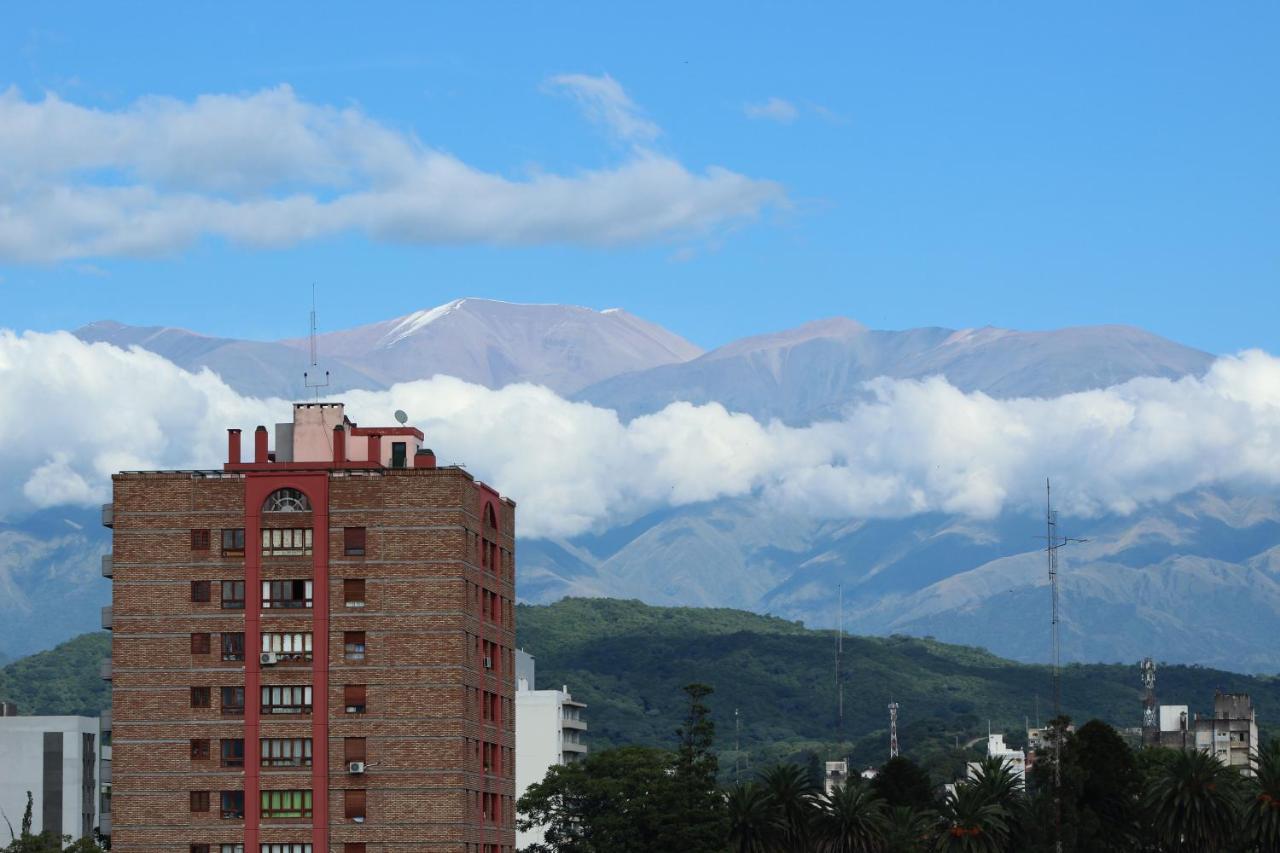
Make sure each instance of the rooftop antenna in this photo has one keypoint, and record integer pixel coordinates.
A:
(840, 664)
(306, 376)
(737, 746)
(1052, 543)
(401, 417)
(893, 730)
(1150, 711)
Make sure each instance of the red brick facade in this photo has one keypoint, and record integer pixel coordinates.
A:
(419, 628)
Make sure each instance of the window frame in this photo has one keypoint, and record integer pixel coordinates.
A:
(286, 699)
(355, 698)
(355, 541)
(199, 749)
(228, 643)
(354, 646)
(201, 697)
(232, 603)
(270, 589)
(271, 752)
(288, 646)
(232, 760)
(350, 586)
(201, 643)
(199, 801)
(355, 804)
(227, 805)
(201, 592)
(287, 499)
(200, 539)
(355, 749)
(232, 541)
(299, 810)
(231, 710)
(287, 541)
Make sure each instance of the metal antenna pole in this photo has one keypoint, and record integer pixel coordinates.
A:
(306, 376)
(737, 746)
(840, 664)
(893, 730)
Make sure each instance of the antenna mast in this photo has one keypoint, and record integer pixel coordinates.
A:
(1150, 711)
(893, 730)
(840, 663)
(306, 376)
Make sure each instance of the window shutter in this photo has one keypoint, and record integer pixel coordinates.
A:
(199, 644)
(199, 590)
(353, 591)
(354, 803)
(353, 541)
(353, 749)
(353, 847)
(353, 696)
(199, 801)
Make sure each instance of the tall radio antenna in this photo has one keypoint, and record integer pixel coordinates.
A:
(893, 730)
(840, 663)
(1052, 543)
(306, 376)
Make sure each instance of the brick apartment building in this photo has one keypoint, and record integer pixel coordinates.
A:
(312, 650)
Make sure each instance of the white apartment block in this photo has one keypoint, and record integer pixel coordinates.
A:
(56, 759)
(549, 731)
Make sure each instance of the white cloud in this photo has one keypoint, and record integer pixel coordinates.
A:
(83, 411)
(271, 170)
(774, 109)
(605, 102)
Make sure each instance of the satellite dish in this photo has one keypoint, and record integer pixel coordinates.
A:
(401, 417)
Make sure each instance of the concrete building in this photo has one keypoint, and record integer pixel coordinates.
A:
(549, 731)
(1230, 733)
(834, 775)
(312, 650)
(56, 759)
(1014, 759)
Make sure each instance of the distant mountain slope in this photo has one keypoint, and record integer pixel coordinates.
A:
(628, 661)
(814, 371)
(490, 343)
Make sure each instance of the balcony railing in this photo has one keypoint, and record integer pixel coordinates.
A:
(106, 618)
(108, 515)
(104, 669)
(107, 568)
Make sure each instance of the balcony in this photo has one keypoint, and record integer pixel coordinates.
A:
(570, 723)
(104, 669)
(106, 618)
(104, 823)
(108, 515)
(108, 567)
(579, 748)
(104, 773)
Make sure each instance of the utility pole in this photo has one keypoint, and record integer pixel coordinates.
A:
(737, 746)
(893, 730)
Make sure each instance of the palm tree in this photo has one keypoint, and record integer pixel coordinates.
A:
(1192, 804)
(970, 822)
(908, 830)
(754, 823)
(794, 797)
(851, 819)
(1262, 811)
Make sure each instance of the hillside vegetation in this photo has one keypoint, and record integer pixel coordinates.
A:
(628, 661)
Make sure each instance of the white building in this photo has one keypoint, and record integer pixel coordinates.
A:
(836, 776)
(1014, 759)
(549, 731)
(56, 759)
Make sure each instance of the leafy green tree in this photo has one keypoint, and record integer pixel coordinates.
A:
(851, 819)
(1107, 786)
(1192, 805)
(26, 842)
(795, 799)
(970, 822)
(1262, 808)
(612, 801)
(902, 782)
(908, 830)
(754, 823)
(697, 811)
(84, 845)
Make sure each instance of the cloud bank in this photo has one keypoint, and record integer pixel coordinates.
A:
(79, 412)
(272, 170)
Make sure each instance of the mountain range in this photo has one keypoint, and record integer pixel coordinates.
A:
(1196, 579)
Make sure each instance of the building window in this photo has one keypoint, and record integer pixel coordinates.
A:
(490, 517)
(233, 542)
(232, 752)
(353, 749)
(286, 541)
(199, 591)
(285, 848)
(286, 700)
(284, 752)
(199, 644)
(232, 701)
(353, 592)
(199, 848)
(353, 541)
(199, 801)
(231, 848)
(232, 646)
(199, 697)
(286, 500)
(399, 453)
(283, 804)
(353, 805)
(233, 805)
(288, 647)
(286, 594)
(199, 540)
(199, 748)
(353, 645)
(353, 847)
(233, 595)
(353, 698)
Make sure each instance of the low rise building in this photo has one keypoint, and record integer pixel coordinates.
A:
(1014, 759)
(56, 759)
(1230, 733)
(549, 731)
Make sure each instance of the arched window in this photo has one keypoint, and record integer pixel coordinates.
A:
(286, 500)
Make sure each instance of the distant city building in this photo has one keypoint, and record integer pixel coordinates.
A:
(1230, 733)
(56, 759)
(1014, 759)
(549, 731)
(836, 775)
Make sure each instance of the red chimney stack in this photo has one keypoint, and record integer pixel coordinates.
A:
(233, 446)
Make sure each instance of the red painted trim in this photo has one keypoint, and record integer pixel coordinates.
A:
(302, 466)
(387, 431)
(315, 485)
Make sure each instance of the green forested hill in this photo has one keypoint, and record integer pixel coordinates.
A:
(62, 680)
(627, 661)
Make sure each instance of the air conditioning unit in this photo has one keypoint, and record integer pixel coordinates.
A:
(356, 767)
(268, 658)
(488, 663)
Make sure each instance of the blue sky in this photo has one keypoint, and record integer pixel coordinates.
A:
(924, 164)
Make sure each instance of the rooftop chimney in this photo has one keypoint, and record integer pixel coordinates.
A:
(233, 446)
(260, 445)
(339, 444)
